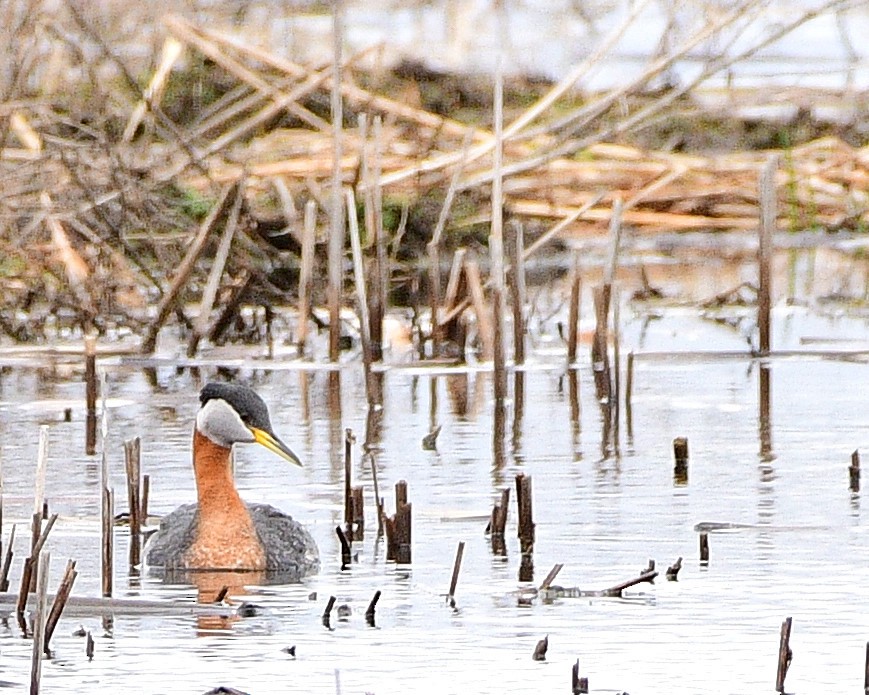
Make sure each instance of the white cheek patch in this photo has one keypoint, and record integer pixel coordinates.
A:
(218, 421)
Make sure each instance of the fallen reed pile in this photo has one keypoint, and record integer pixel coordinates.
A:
(157, 198)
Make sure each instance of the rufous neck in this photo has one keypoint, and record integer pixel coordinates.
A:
(215, 487)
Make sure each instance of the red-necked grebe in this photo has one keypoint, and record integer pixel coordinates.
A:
(221, 532)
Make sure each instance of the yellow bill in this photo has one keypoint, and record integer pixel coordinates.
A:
(272, 443)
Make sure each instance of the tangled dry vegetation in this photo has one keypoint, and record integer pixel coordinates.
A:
(117, 181)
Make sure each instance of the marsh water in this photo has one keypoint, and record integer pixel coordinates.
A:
(603, 509)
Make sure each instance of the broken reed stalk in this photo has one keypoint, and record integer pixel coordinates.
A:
(496, 244)
(305, 274)
(336, 209)
(629, 387)
(133, 466)
(39, 624)
(518, 291)
(768, 211)
(172, 49)
(179, 281)
(1, 511)
(107, 565)
(599, 346)
(457, 565)
(617, 380)
(60, 599)
(373, 215)
(31, 566)
(526, 517)
(784, 655)
(90, 377)
(221, 256)
(146, 494)
(357, 514)
(39, 488)
(854, 471)
(478, 301)
(704, 548)
(7, 562)
(361, 294)
(107, 503)
(434, 265)
(573, 312)
(680, 457)
(348, 463)
(553, 573)
(378, 500)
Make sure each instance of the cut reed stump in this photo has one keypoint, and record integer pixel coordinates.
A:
(398, 527)
(854, 471)
(346, 554)
(540, 650)
(133, 466)
(704, 548)
(327, 614)
(498, 522)
(866, 672)
(578, 684)
(785, 655)
(680, 457)
(372, 606)
(526, 517)
(357, 513)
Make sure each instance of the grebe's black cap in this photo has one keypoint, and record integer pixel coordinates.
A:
(253, 411)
